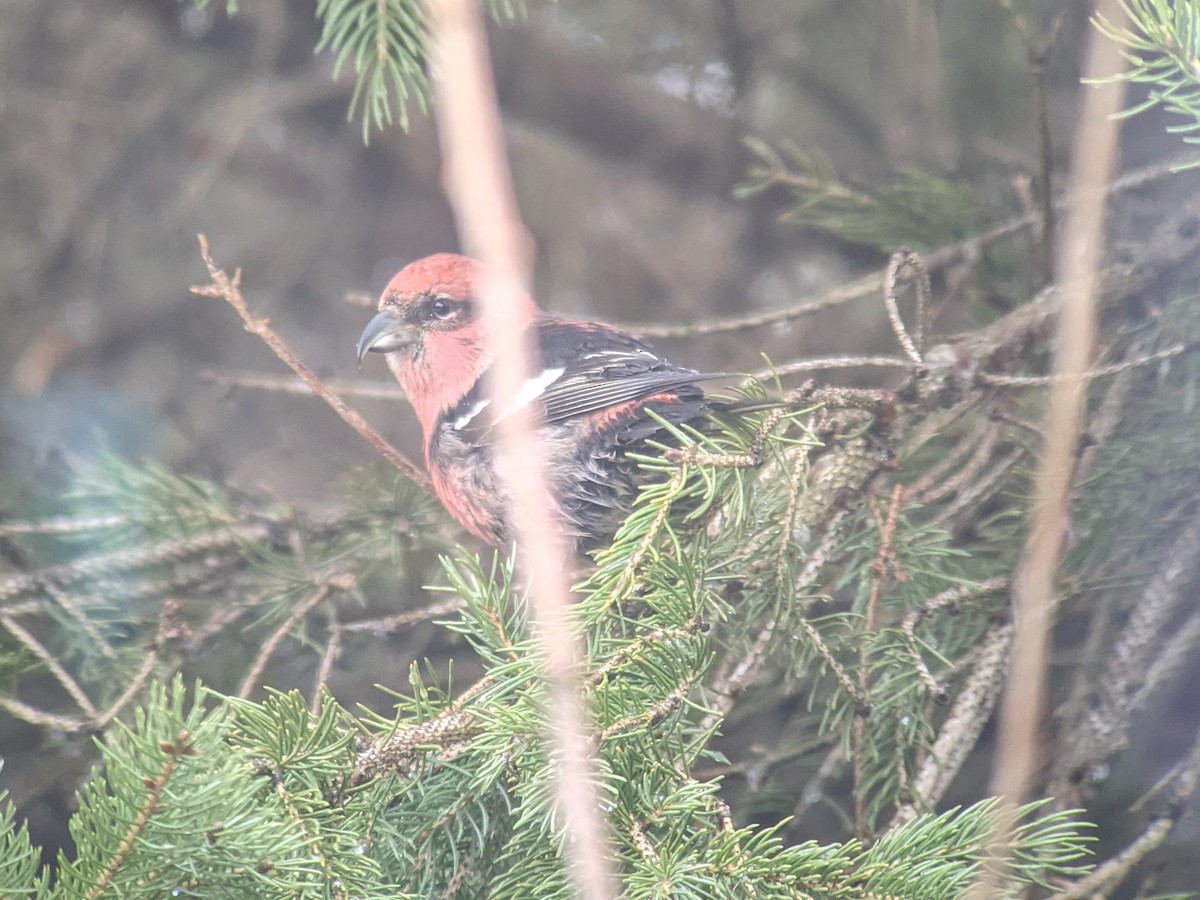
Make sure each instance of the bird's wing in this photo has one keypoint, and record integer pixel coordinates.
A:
(602, 368)
(583, 368)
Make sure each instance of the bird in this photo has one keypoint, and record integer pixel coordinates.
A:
(601, 397)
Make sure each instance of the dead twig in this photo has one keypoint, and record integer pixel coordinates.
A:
(284, 384)
(907, 263)
(480, 189)
(871, 284)
(229, 289)
(322, 593)
(1094, 153)
(999, 380)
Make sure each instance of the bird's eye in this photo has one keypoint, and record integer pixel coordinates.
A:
(438, 308)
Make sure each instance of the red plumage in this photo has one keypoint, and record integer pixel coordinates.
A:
(594, 387)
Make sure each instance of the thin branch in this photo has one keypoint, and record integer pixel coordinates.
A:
(871, 284)
(174, 750)
(229, 289)
(322, 593)
(814, 788)
(72, 609)
(42, 719)
(69, 684)
(959, 734)
(480, 189)
(818, 363)
(131, 690)
(998, 380)
(1093, 157)
(63, 525)
(901, 263)
(845, 293)
(1033, 583)
(285, 384)
(981, 488)
(387, 624)
(332, 645)
(1037, 47)
(979, 443)
(1116, 868)
(1168, 662)
(884, 564)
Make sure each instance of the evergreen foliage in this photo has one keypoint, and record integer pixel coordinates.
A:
(384, 42)
(917, 209)
(1163, 50)
(775, 546)
(207, 795)
(20, 861)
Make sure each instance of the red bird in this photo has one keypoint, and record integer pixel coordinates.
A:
(595, 388)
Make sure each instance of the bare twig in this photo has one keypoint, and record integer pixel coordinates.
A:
(884, 564)
(906, 262)
(814, 788)
(72, 609)
(830, 362)
(41, 718)
(1113, 870)
(480, 190)
(388, 624)
(1095, 149)
(322, 593)
(981, 488)
(998, 380)
(1037, 47)
(870, 285)
(63, 525)
(229, 289)
(1093, 157)
(866, 286)
(170, 627)
(332, 645)
(937, 482)
(284, 384)
(38, 649)
(131, 690)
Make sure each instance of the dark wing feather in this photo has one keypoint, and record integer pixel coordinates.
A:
(602, 368)
(567, 400)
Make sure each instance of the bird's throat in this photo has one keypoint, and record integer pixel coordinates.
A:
(439, 376)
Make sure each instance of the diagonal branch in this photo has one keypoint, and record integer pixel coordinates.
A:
(1078, 264)
(230, 290)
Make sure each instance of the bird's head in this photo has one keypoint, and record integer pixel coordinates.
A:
(429, 325)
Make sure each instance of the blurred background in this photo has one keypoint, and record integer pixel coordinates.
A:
(128, 126)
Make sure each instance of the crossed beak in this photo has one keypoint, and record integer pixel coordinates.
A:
(384, 334)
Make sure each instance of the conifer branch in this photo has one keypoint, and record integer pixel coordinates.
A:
(69, 684)
(174, 751)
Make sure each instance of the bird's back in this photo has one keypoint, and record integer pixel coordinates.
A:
(602, 395)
